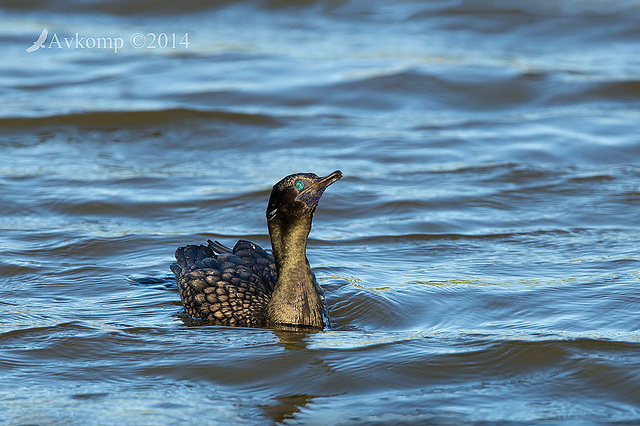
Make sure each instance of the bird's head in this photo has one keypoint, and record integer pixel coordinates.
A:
(296, 196)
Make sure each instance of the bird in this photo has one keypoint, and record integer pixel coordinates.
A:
(248, 287)
(39, 42)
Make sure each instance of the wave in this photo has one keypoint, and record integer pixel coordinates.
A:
(361, 9)
(167, 7)
(101, 119)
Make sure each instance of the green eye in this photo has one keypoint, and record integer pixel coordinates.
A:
(299, 185)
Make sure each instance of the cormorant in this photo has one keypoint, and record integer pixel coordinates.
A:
(249, 287)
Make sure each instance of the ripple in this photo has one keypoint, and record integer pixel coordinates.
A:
(479, 257)
(116, 119)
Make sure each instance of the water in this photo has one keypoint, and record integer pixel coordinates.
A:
(480, 256)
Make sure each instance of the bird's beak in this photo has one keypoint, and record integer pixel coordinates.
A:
(311, 195)
(323, 182)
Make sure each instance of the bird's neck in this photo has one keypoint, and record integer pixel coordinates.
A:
(295, 299)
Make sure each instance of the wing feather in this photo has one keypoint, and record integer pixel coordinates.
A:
(228, 288)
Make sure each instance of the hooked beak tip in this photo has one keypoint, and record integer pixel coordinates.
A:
(332, 177)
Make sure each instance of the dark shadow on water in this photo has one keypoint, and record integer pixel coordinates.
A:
(293, 338)
(89, 396)
(159, 283)
(285, 407)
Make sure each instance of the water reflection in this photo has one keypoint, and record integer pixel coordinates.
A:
(284, 407)
(293, 338)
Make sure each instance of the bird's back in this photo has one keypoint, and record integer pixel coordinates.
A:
(228, 287)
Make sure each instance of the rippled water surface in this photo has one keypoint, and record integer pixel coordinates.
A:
(480, 257)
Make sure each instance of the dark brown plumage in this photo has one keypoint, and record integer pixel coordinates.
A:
(249, 287)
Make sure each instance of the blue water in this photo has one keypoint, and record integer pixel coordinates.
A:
(480, 256)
